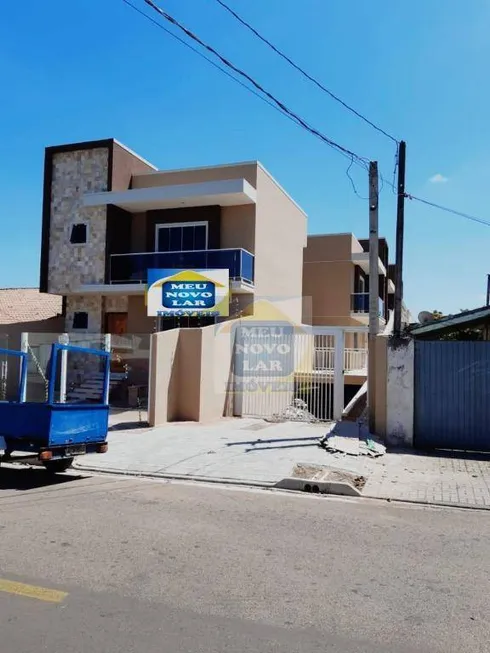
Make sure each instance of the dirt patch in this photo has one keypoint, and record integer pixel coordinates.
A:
(324, 473)
(311, 472)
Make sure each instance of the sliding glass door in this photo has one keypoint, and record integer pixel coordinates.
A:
(181, 237)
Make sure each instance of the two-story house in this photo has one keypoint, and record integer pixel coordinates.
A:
(337, 277)
(109, 216)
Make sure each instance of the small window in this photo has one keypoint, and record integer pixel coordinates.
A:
(78, 234)
(80, 320)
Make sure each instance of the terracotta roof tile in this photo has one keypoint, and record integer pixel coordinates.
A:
(27, 305)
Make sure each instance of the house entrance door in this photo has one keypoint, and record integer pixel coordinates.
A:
(116, 323)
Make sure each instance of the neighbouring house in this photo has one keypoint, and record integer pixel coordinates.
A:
(433, 383)
(28, 309)
(25, 310)
(337, 277)
(467, 325)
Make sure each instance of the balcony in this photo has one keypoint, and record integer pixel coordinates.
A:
(224, 192)
(362, 260)
(359, 305)
(355, 360)
(133, 268)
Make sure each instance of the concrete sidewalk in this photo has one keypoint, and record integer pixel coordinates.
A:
(257, 452)
(245, 450)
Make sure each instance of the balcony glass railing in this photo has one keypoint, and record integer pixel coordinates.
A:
(133, 268)
(360, 303)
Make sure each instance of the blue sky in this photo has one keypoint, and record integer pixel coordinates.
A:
(89, 69)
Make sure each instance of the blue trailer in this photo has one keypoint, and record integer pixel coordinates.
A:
(54, 432)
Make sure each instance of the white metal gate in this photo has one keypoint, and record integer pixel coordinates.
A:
(276, 364)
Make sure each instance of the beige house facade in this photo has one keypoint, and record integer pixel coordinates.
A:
(337, 277)
(109, 216)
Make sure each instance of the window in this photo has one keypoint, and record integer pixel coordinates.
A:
(181, 237)
(80, 320)
(78, 234)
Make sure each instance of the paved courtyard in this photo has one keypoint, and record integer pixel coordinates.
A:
(257, 452)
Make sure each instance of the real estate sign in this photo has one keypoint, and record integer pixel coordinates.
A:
(188, 293)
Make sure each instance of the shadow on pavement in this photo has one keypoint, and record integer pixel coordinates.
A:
(32, 478)
(129, 426)
(443, 453)
(308, 442)
(277, 443)
(282, 446)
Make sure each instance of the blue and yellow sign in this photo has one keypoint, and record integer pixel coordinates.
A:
(188, 293)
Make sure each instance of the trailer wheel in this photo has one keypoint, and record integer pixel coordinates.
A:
(58, 466)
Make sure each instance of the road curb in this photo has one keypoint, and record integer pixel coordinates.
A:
(429, 504)
(277, 486)
(318, 487)
(176, 477)
(288, 483)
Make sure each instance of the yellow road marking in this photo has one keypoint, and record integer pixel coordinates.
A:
(32, 591)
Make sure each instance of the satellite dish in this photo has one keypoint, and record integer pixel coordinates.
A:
(425, 317)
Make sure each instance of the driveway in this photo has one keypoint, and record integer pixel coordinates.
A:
(252, 451)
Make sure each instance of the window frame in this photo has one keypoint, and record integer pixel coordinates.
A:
(75, 224)
(170, 225)
(75, 313)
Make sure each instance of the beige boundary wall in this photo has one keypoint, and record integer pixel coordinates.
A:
(190, 373)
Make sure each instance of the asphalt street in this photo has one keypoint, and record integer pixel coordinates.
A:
(119, 565)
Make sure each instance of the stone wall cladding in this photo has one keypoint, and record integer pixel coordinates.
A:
(118, 304)
(91, 304)
(74, 174)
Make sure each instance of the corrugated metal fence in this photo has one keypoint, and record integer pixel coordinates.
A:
(452, 395)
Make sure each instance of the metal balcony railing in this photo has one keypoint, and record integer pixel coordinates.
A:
(354, 359)
(133, 268)
(359, 303)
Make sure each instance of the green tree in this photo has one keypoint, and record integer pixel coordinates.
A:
(437, 315)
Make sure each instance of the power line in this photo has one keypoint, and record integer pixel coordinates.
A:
(304, 73)
(362, 162)
(448, 209)
(347, 172)
(461, 214)
(283, 109)
(203, 56)
(339, 148)
(225, 72)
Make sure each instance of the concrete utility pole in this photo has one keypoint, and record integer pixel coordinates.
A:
(400, 227)
(373, 288)
(488, 289)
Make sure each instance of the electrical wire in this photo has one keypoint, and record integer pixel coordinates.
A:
(283, 109)
(221, 69)
(393, 183)
(259, 87)
(203, 56)
(461, 214)
(361, 162)
(304, 73)
(347, 172)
